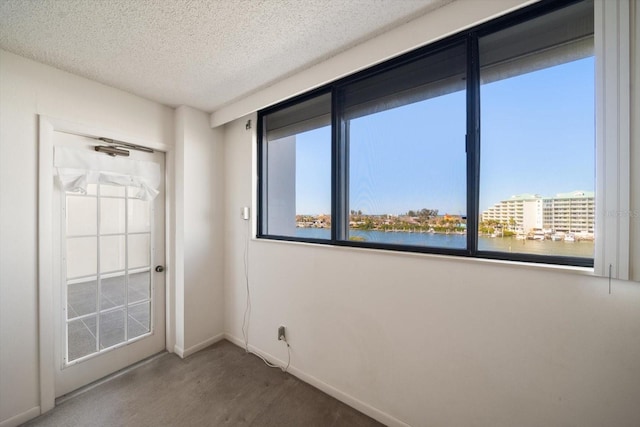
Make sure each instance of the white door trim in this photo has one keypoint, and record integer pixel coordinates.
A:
(46, 315)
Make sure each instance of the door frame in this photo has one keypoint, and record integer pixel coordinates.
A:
(46, 296)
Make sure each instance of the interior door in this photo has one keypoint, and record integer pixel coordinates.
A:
(110, 251)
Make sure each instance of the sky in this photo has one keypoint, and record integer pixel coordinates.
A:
(537, 136)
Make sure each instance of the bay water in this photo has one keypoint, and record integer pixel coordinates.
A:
(583, 249)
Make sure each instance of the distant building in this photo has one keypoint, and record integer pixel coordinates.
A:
(565, 212)
(520, 212)
(573, 211)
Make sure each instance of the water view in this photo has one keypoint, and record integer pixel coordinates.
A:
(407, 184)
(582, 249)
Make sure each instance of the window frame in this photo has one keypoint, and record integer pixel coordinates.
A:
(340, 153)
(262, 164)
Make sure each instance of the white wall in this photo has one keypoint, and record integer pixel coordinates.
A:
(26, 90)
(420, 339)
(238, 174)
(426, 340)
(438, 24)
(199, 298)
(431, 340)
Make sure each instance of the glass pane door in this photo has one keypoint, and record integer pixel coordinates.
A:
(109, 298)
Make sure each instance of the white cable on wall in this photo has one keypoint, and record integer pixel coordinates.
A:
(246, 319)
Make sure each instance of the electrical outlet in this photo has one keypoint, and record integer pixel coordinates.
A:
(281, 335)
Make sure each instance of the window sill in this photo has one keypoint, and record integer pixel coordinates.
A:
(569, 269)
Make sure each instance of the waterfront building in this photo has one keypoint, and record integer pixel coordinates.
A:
(570, 212)
(519, 212)
(565, 212)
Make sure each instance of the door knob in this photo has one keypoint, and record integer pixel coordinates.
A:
(159, 268)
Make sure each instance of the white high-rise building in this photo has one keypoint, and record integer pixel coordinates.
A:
(566, 212)
(519, 212)
(570, 212)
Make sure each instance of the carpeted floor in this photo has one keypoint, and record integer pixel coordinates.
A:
(218, 386)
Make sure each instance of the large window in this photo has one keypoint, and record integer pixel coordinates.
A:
(538, 136)
(296, 166)
(404, 133)
(479, 145)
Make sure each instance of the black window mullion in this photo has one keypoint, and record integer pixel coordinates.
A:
(473, 143)
(262, 166)
(335, 162)
(340, 171)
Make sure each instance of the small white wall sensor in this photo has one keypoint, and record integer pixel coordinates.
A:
(245, 213)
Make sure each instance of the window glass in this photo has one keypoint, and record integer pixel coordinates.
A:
(297, 163)
(112, 330)
(82, 255)
(139, 250)
(81, 218)
(112, 216)
(112, 253)
(405, 133)
(81, 298)
(538, 136)
(108, 269)
(482, 144)
(139, 322)
(81, 335)
(138, 215)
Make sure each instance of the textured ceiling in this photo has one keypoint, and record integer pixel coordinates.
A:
(201, 53)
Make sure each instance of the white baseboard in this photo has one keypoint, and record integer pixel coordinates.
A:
(195, 348)
(179, 351)
(361, 406)
(21, 418)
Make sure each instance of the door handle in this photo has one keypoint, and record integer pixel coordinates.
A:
(159, 268)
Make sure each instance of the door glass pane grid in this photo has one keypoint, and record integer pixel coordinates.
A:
(92, 190)
(139, 319)
(81, 219)
(109, 281)
(81, 297)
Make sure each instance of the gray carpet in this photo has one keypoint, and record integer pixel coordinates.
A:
(218, 386)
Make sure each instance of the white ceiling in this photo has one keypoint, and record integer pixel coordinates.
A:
(201, 53)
